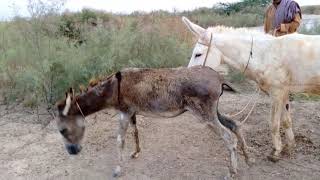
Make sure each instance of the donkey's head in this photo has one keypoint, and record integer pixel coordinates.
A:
(70, 123)
(204, 53)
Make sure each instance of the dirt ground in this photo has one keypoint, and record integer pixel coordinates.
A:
(177, 148)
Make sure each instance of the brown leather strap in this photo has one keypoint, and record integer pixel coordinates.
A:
(209, 46)
(80, 110)
(119, 78)
(250, 56)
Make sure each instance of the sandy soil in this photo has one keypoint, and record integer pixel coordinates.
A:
(177, 148)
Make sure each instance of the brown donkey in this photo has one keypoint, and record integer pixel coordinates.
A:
(162, 92)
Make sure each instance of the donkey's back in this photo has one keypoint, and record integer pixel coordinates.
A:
(168, 92)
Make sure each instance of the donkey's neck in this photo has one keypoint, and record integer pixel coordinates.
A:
(88, 104)
(92, 102)
(237, 51)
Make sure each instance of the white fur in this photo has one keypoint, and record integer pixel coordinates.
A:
(117, 171)
(67, 107)
(119, 139)
(80, 122)
(296, 53)
(124, 116)
(279, 65)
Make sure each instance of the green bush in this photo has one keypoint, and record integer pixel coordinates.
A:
(315, 9)
(315, 30)
(43, 67)
(236, 20)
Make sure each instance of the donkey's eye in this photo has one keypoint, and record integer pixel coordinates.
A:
(63, 131)
(198, 55)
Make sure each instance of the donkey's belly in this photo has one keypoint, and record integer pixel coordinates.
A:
(161, 114)
(161, 108)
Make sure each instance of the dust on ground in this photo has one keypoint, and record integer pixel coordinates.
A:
(177, 148)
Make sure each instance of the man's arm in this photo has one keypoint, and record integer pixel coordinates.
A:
(292, 26)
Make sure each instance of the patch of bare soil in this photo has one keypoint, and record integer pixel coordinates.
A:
(177, 148)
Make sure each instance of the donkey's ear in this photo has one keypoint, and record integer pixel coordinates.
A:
(71, 92)
(194, 28)
(66, 106)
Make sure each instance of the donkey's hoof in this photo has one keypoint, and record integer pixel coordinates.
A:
(134, 155)
(116, 172)
(233, 173)
(273, 158)
(250, 162)
(289, 148)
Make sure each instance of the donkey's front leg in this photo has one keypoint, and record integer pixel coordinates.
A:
(123, 126)
(133, 122)
(276, 112)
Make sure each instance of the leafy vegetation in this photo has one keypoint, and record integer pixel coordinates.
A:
(314, 30)
(311, 9)
(42, 57)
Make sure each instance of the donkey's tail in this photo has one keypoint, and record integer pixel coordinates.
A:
(228, 122)
(224, 120)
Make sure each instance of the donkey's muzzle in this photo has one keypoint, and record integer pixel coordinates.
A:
(73, 149)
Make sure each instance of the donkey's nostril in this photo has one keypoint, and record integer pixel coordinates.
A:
(73, 149)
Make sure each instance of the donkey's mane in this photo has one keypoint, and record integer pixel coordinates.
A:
(238, 31)
(97, 82)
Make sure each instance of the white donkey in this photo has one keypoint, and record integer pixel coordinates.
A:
(279, 65)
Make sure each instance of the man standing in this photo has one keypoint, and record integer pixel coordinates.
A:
(282, 17)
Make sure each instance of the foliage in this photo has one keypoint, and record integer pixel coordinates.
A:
(39, 68)
(246, 13)
(306, 97)
(244, 6)
(315, 9)
(314, 30)
(42, 56)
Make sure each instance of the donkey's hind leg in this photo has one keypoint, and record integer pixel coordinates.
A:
(204, 112)
(230, 141)
(235, 127)
(133, 123)
(123, 126)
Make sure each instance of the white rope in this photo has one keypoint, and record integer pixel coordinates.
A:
(245, 107)
(253, 106)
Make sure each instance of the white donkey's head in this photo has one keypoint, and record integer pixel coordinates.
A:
(204, 52)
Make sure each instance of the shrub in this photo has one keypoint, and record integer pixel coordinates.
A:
(43, 67)
(314, 30)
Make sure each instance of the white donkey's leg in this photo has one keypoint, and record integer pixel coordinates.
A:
(287, 125)
(123, 126)
(276, 112)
